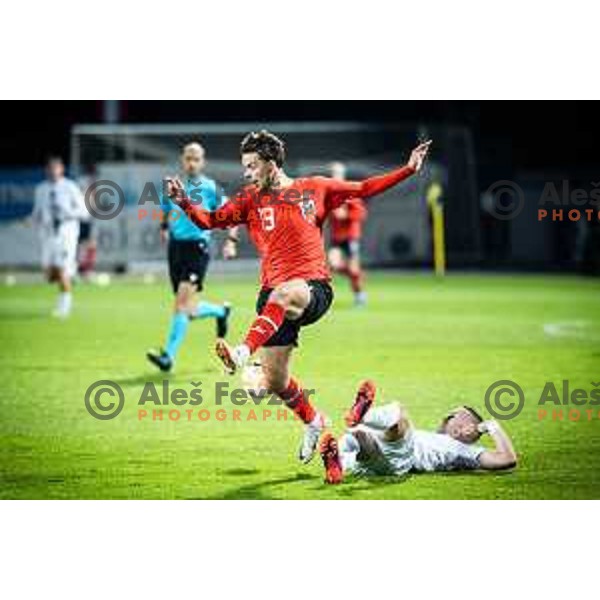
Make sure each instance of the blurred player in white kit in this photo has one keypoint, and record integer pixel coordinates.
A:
(58, 208)
(382, 441)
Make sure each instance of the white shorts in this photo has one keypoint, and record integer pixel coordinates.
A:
(389, 458)
(59, 249)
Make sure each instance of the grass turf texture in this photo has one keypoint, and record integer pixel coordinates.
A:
(432, 344)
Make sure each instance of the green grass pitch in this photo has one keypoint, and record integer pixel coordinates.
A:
(431, 344)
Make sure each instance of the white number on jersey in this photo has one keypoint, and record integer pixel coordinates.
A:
(267, 218)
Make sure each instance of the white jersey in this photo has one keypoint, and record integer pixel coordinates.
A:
(418, 451)
(58, 209)
(441, 452)
(57, 202)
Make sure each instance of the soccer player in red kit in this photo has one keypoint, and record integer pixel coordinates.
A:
(285, 218)
(345, 223)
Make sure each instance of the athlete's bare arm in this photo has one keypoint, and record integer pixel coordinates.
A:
(503, 456)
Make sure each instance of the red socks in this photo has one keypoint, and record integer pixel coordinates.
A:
(356, 280)
(265, 326)
(354, 275)
(297, 401)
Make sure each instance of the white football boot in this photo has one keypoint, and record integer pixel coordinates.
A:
(312, 435)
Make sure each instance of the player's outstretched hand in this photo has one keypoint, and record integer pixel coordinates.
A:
(175, 189)
(418, 156)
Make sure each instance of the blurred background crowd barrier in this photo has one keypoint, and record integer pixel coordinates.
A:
(480, 229)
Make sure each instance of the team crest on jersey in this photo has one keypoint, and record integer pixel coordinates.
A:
(309, 210)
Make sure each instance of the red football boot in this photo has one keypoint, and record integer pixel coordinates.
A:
(331, 459)
(362, 403)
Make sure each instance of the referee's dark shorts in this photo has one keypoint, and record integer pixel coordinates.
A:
(188, 261)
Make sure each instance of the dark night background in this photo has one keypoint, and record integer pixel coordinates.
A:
(524, 141)
(508, 136)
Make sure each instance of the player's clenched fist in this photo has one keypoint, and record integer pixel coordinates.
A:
(175, 189)
(418, 156)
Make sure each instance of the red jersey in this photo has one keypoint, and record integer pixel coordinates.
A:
(287, 225)
(346, 221)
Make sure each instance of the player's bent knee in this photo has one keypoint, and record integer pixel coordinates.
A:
(294, 296)
(283, 295)
(402, 425)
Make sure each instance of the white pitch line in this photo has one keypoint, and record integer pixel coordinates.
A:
(573, 329)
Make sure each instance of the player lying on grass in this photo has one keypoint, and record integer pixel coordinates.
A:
(285, 218)
(382, 441)
(345, 224)
(188, 253)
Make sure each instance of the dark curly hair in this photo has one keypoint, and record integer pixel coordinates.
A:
(267, 145)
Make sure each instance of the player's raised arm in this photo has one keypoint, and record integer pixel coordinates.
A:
(503, 456)
(231, 214)
(339, 191)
